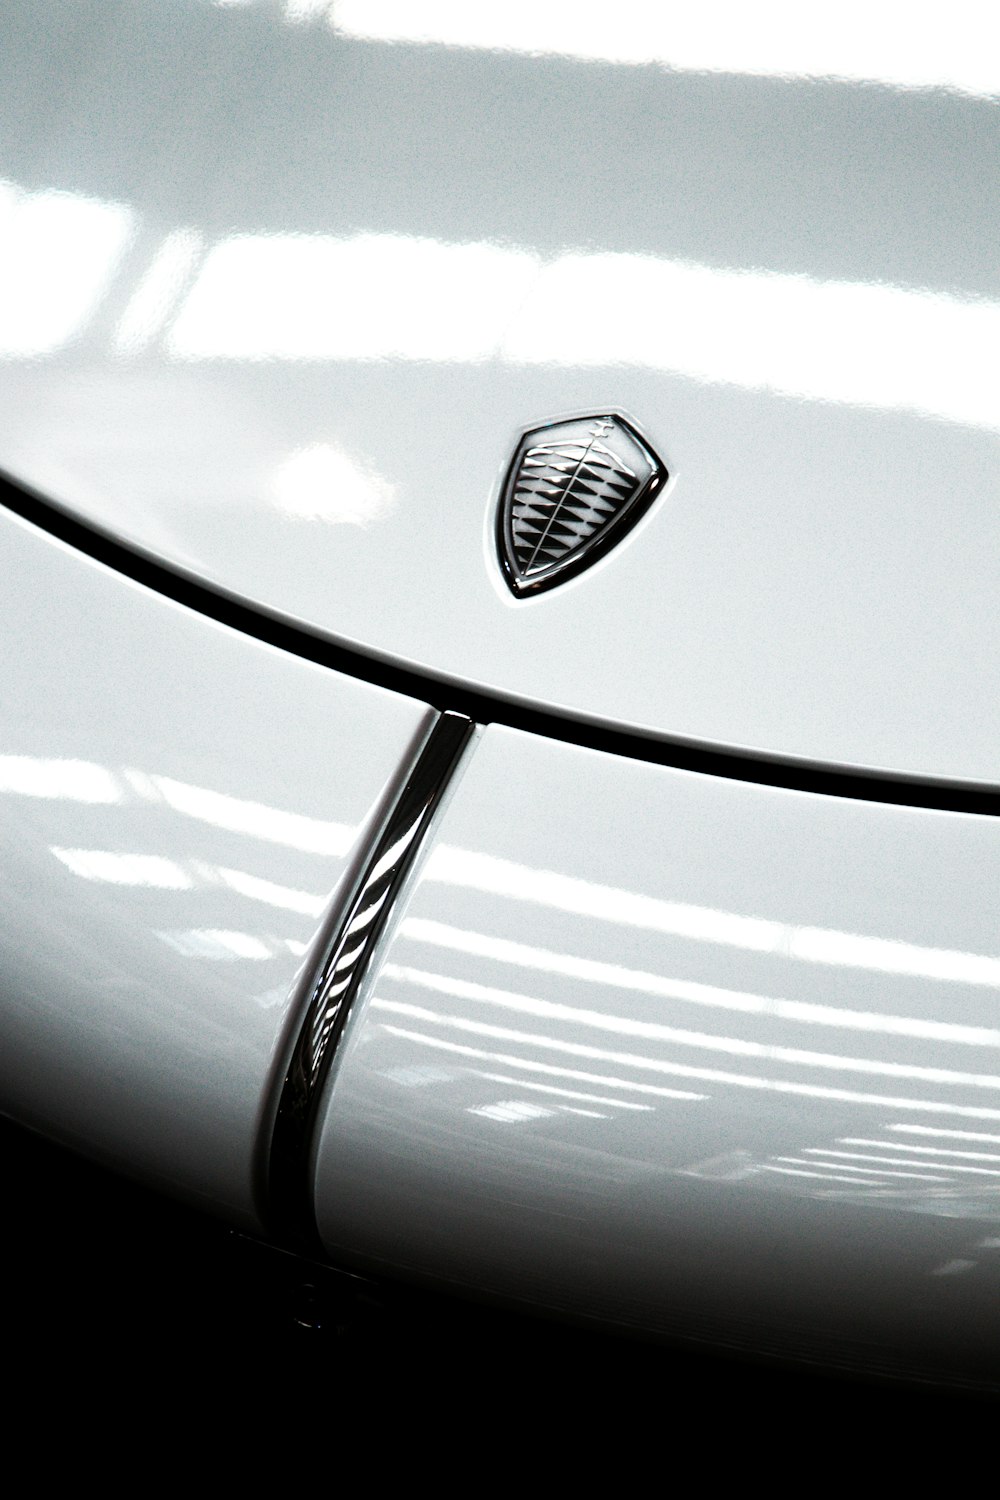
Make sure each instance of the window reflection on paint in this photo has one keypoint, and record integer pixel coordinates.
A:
(362, 297)
(696, 992)
(764, 330)
(95, 786)
(369, 296)
(550, 1088)
(312, 297)
(520, 1031)
(897, 1172)
(821, 1169)
(858, 1159)
(657, 1032)
(512, 1111)
(952, 1135)
(900, 46)
(58, 252)
(814, 1176)
(528, 1064)
(917, 1150)
(69, 780)
(125, 869)
(531, 1043)
(595, 901)
(936, 1180)
(88, 782)
(284, 897)
(240, 815)
(649, 1063)
(166, 877)
(473, 870)
(114, 867)
(217, 943)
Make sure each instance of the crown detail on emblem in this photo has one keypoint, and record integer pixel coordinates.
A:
(569, 490)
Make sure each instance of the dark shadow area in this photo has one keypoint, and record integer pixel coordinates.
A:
(100, 1274)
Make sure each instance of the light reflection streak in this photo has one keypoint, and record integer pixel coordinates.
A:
(503, 877)
(954, 1135)
(237, 815)
(374, 296)
(856, 950)
(285, 897)
(532, 1065)
(125, 869)
(368, 296)
(849, 1140)
(549, 1088)
(394, 296)
(682, 1070)
(823, 1167)
(494, 876)
(117, 868)
(71, 780)
(901, 47)
(216, 943)
(419, 1077)
(770, 331)
(816, 1176)
(657, 1032)
(512, 1111)
(898, 1161)
(58, 252)
(597, 971)
(85, 781)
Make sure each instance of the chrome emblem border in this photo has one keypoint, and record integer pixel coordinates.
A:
(573, 489)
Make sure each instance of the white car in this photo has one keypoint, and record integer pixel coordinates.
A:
(626, 948)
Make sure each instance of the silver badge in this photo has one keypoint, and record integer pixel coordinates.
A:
(573, 489)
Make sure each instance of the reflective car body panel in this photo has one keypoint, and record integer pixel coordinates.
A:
(685, 1053)
(284, 285)
(288, 279)
(178, 806)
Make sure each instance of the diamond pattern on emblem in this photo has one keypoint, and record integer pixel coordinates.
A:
(569, 489)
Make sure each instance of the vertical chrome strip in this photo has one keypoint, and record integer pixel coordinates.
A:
(289, 1190)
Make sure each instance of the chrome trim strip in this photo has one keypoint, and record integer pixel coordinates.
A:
(289, 1195)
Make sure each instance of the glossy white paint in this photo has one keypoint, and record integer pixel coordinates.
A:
(177, 805)
(686, 1053)
(286, 280)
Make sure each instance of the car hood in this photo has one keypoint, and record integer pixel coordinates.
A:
(287, 282)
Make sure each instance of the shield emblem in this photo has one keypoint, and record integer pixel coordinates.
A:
(572, 491)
